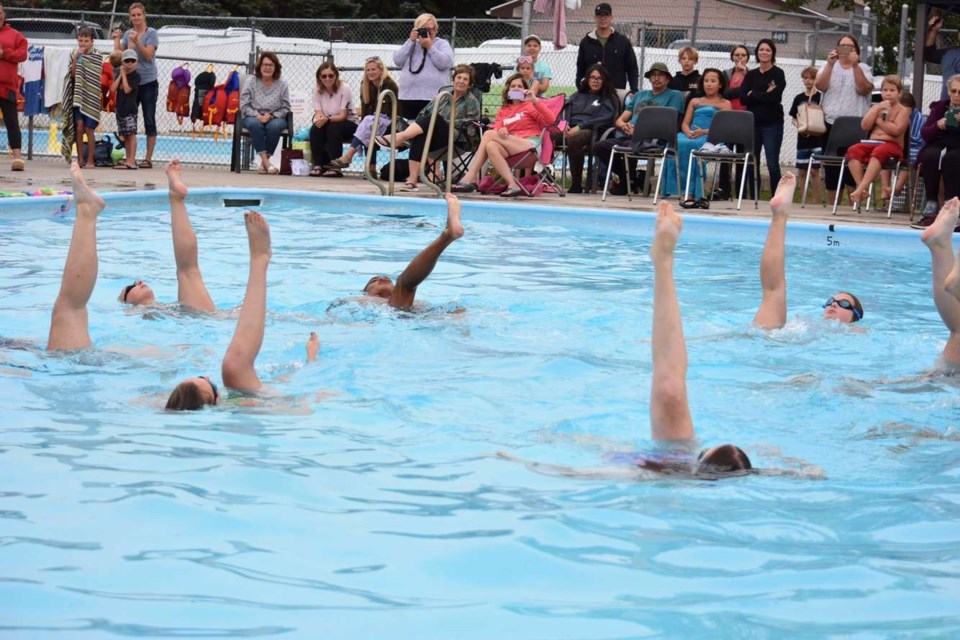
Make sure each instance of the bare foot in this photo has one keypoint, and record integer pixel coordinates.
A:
(783, 198)
(454, 227)
(83, 194)
(952, 282)
(258, 234)
(887, 192)
(667, 231)
(856, 196)
(313, 346)
(177, 188)
(941, 231)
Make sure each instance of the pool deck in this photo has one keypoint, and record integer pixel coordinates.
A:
(52, 173)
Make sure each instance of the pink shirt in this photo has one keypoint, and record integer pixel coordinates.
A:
(524, 119)
(332, 104)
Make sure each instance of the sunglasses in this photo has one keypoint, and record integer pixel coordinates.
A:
(373, 59)
(328, 75)
(213, 387)
(843, 304)
(127, 289)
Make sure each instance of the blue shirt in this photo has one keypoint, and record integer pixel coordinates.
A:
(951, 67)
(646, 98)
(146, 69)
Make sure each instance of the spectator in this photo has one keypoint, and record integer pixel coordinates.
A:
(762, 94)
(613, 50)
(688, 78)
(592, 108)
(334, 121)
(13, 50)
(376, 79)
(886, 121)
(425, 61)
(808, 145)
(517, 129)
(912, 143)
(948, 58)
(467, 111)
(82, 99)
(525, 67)
(740, 56)
(846, 84)
(144, 40)
(264, 105)
(541, 71)
(125, 86)
(658, 96)
(940, 157)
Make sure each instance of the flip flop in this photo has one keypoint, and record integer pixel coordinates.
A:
(145, 164)
(463, 187)
(273, 171)
(512, 192)
(125, 167)
(316, 171)
(383, 141)
(408, 187)
(332, 173)
(336, 165)
(689, 204)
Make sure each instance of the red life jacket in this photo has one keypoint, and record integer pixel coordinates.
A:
(215, 106)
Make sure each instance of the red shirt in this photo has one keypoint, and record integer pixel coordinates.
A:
(14, 52)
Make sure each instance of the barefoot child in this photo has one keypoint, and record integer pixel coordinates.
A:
(81, 98)
(126, 86)
(911, 147)
(887, 121)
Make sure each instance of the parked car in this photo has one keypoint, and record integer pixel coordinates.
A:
(719, 46)
(52, 28)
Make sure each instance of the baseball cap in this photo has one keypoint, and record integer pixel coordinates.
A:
(656, 67)
(130, 54)
(532, 37)
(603, 9)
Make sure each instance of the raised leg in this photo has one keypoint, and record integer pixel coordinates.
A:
(773, 305)
(237, 368)
(946, 275)
(191, 291)
(669, 410)
(425, 261)
(69, 324)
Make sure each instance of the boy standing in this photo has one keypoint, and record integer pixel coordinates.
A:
(808, 145)
(81, 99)
(126, 87)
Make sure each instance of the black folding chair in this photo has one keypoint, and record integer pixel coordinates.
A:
(844, 133)
(654, 125)
(735, 130)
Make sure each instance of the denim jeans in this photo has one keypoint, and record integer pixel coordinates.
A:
(769, 138)
(264, 137)
(147, 99)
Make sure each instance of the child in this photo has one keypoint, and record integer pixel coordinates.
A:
(887, 121)
(125, 87)
(525, 69)
(808, 145)
(81, 98)
(541, 71)
(915, 141)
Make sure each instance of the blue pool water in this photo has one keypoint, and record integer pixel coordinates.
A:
(368, 504)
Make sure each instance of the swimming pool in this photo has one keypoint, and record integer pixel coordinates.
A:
(377, 511)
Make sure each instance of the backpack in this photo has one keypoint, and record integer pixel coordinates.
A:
(103, 153)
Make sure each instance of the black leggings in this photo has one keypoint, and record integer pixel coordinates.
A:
(326, 143)
(12, 122)
(932, 169)
(441, 134)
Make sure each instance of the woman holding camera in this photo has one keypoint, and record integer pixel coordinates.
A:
(425, 62)
(846, 85)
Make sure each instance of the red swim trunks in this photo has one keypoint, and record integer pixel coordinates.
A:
(884, 151)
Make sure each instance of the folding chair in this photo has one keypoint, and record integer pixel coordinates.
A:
(242, 153)
(542, 155)
(844, 133)
(465, 143)
(735, 130)
(653, 123)
(894, 165)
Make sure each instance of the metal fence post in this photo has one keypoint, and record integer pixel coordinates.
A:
(525, 28)
(252, 60)
(453, 34)
(816, 43)
(902, 51)
(696, 21)
(643, 50)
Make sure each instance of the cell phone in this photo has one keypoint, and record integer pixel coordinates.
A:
(884, 114)
(953, 118)
(422, 32)
(844, 49)
(516, 95)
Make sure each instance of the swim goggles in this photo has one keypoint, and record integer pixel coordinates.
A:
(843, 304)
(127, 289)
(213, 386)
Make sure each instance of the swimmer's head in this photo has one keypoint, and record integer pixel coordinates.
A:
(844, 307)
(726, 458)
(379, 287)
(192, 394)
(137, 293)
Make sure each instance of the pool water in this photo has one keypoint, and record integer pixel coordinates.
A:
(367, 502)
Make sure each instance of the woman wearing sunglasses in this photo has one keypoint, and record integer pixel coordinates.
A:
(334, 121)
(772, 314)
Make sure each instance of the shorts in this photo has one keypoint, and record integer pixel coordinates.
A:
(79, 117)
(127, 125)
(803, 155)
(884, 151)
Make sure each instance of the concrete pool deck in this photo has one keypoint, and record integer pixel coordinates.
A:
(52, 173)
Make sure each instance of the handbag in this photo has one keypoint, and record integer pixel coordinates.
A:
(810, 120)
(286, 155)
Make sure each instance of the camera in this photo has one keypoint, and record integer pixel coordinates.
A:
(423, 33)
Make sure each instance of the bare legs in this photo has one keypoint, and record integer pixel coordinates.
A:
(191, 290)
(69, 325)
(422, 265)
(669, 410)
(773, 306)
(497, 148)
(237, 368)
(946, 275)
(863, 178)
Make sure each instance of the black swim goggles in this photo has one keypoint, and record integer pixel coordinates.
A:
(843, 304)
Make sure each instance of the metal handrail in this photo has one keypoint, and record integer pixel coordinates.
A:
(426, 147)
(388, 190)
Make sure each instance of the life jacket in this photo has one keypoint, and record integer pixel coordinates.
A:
(178, 99)
(109, 99)
(215, 106)
(233, 96)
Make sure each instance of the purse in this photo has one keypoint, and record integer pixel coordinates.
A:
(810, 120)
(286, 155)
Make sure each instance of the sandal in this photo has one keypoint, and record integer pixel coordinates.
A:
(408, 186)
(18, 164)
(690, 203)
(336, 165)
(512, 192)
(703, 203)
(126, 167)
(332, 173)
(463, 187)
(316, 171)
(145, 164)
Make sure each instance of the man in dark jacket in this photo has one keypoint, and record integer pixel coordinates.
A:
(611, 49)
